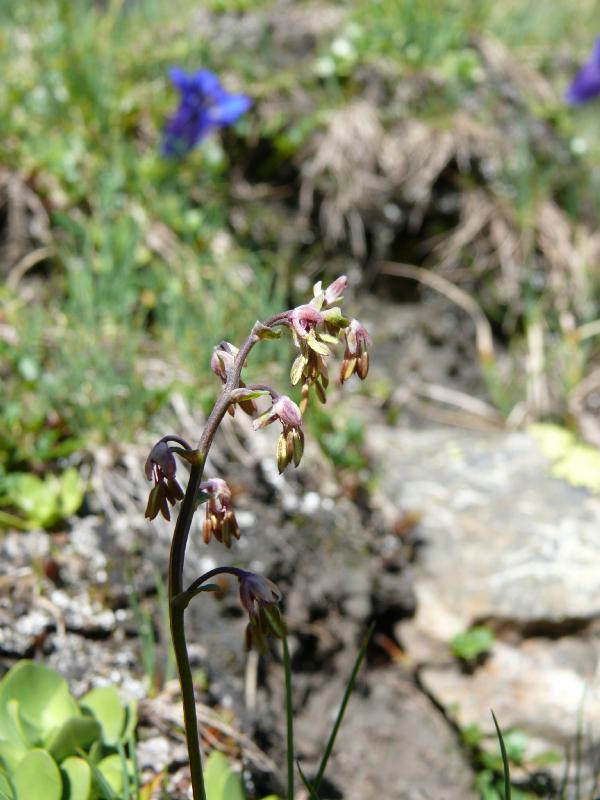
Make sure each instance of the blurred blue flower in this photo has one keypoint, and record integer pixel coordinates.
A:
(204, 105)
(586, 84)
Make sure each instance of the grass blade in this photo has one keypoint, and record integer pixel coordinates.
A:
(340, 715)
(309, 788)
(289, 714)
(505, 763)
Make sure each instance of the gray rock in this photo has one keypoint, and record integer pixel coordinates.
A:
(502, 542)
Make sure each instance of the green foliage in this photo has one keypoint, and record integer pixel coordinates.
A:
(54, 748)
(222, 781)
(342, 440)
(572, 460)
(40, 502)
(471, 644)
(139, 266)
(494, 755)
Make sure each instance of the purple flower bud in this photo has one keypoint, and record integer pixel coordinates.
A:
(259, 596)
(287, 412)
(222, 359)
(162, 460)
(283, 409)
(290, 444)
(161, 467)
(256, 590)
(356, 356)
(335, 290)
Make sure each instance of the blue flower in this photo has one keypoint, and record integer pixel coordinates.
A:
(586, 84)
(204, 106)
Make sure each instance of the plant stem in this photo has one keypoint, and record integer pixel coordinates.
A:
(177, 556)
(176, 617)
(289, 714)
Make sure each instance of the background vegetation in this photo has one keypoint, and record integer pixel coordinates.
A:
(424, 132)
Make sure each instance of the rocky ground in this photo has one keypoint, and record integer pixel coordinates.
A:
(461, 525)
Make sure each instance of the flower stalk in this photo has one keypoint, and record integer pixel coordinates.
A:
(314, 327)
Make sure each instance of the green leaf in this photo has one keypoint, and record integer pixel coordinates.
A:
(472, 643)
(505, 764)
(43, 698)
(77, 778)
(241, 395)
(99, 781)
(6, 789)
(104, 703)
(76, 733)
(71, 492)
(342, 709)
(222, 782)
(264, 332)
(14, 742)
(182, 600)
(111, 768)
(35, 498)
(37, 776)
(516, 743)
(130, 721)
(311, 792)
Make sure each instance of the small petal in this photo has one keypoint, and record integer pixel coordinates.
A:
(282, 453)
(335, 290)
(228, 109)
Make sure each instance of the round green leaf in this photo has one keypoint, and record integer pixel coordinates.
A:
(222, 782)
(71, 492)
(77, 778)
(111, 768)
(43, 698)
(75, 734)
(14, 741)
(105, 705)
(37, 776)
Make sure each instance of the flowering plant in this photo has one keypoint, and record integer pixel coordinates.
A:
(314, 328)
(204, 106)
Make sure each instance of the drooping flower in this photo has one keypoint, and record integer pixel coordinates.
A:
(586, 84)
(204, 106)
(356, 356)
(161, 467)
(259, 596)
(290, 444)
(220, 520)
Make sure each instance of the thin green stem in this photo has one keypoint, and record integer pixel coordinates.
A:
(176, 616)
(340, 715)
(289, 715)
